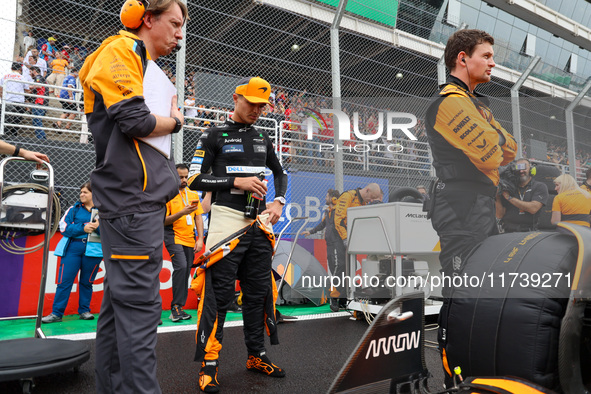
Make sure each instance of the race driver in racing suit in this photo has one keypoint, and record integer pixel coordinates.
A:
(468, 146)
(227, 160)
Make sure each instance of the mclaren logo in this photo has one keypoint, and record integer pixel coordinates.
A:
(395, 343)
(264, 89)
(416, 215)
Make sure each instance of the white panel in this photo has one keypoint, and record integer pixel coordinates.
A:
(530, 45)
(397, 227)
(7, 31)
(572, 63)
(453, 13)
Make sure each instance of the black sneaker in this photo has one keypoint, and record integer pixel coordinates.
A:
(334, 304)
(208, 376)
(175, 313)
(184, 315)
(261, 363)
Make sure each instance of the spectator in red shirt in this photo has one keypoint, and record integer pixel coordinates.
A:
(66, 52)
(48, 50)
(41, 91)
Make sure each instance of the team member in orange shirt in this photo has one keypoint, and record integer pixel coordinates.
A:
(183, 219)
(132, 182)
(572, 204)
(351, 198)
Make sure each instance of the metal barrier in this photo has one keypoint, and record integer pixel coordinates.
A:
(409, 162)
(40, 116)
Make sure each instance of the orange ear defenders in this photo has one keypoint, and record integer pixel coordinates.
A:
(132, 13)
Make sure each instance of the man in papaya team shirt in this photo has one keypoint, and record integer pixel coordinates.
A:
(327, 224)
(468, 147)
(351, 198)
(182, 223)
(132, 182)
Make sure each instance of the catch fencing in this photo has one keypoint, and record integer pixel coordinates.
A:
(288, 43)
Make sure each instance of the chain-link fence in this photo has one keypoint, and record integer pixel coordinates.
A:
(289, 44)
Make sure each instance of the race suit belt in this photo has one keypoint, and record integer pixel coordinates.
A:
(480, 188)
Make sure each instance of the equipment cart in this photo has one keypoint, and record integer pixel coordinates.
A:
(402, 252)
(27, 209)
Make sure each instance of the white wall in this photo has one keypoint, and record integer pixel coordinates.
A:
(7, 34)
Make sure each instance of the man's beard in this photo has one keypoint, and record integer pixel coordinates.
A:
(524, 178)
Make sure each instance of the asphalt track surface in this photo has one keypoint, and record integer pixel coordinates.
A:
(311, 351)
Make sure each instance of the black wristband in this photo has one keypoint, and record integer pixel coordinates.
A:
(17, 150)
(177, 126)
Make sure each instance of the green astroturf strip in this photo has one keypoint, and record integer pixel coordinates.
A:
(71, 324)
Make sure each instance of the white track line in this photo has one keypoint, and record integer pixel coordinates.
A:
(193, 327)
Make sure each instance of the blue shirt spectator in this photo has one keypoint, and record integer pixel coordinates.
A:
(69, 82)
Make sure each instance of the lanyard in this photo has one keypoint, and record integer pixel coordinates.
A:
(186, 203)
(527, 187)
(186, 195)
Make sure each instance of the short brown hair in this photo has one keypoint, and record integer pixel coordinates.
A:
(464, 40)
(158, 7)
(332, 193)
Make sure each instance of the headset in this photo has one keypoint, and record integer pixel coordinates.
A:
(520, 167)
(468, 71)
(133, 12)
(132, 16)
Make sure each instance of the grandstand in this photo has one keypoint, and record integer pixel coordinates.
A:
(389, 54)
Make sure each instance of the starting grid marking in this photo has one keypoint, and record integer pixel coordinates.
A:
(193, 327)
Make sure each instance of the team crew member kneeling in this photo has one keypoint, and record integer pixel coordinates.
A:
(227, 160)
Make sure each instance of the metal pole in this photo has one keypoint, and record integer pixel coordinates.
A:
(570, 128)
(177, 139)
(515, 104)
(3, 112)
(441, 71)
(48, 222)
(336, 92)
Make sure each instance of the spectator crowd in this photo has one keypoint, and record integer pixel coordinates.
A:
(53, 63)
